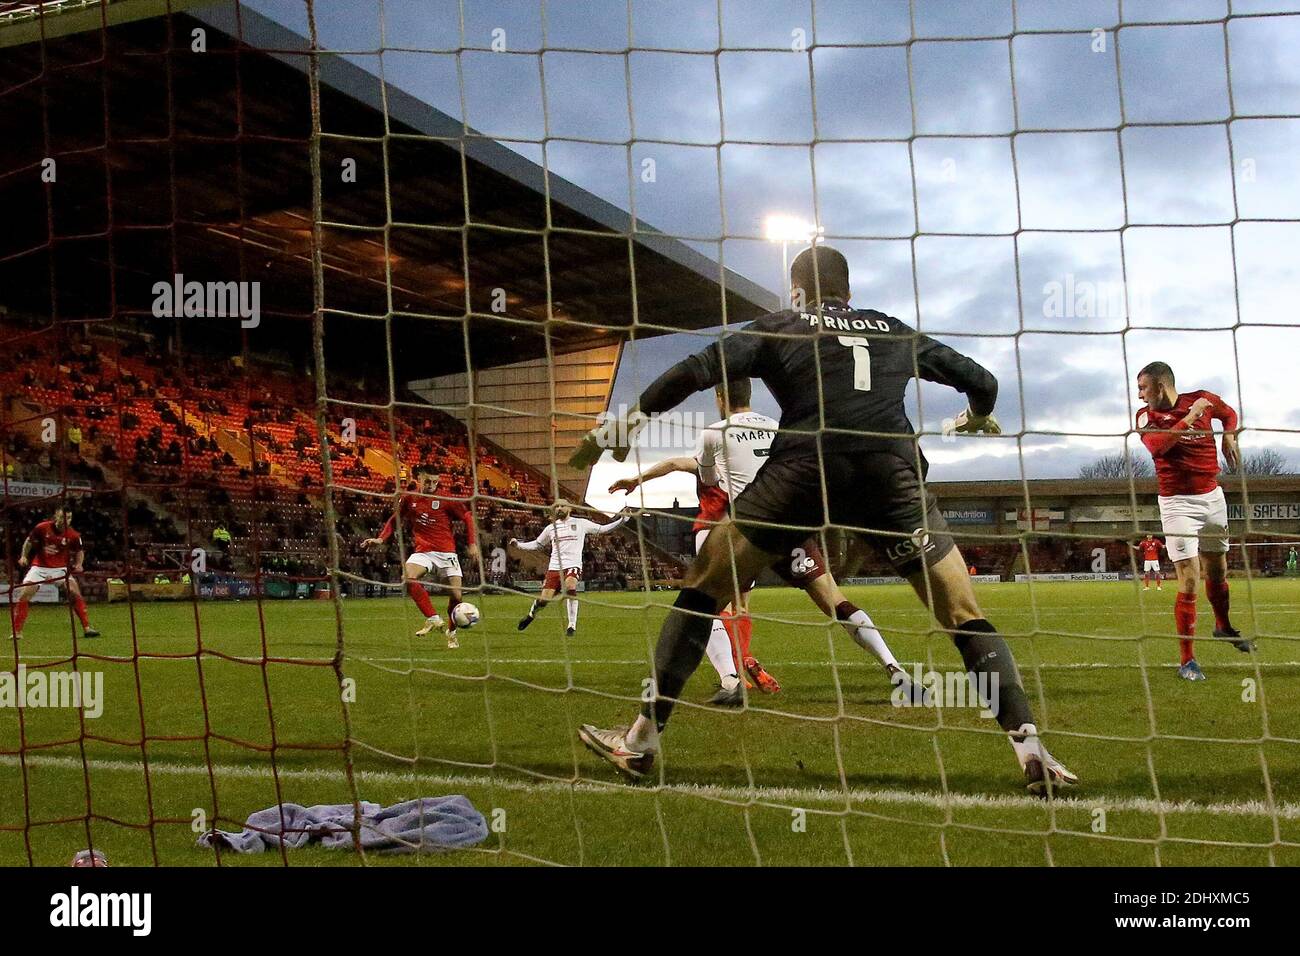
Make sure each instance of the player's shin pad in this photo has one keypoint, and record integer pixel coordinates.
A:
(682, 641)
(985, 652)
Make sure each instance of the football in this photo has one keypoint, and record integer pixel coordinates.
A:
(465, 615)
(89, 858)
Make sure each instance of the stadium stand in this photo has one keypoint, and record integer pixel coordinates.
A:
(207, 444)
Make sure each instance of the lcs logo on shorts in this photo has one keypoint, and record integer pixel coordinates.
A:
(918, 543)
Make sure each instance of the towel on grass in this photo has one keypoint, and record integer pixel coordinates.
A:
(430, 823)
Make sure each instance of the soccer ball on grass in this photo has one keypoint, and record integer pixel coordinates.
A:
(465, 615)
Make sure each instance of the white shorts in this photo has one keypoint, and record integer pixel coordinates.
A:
(1150, 566)
(444, 562)
(1194, 523)
(39, 575)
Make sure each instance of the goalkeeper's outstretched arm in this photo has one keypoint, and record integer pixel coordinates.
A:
(736, 356)
(936, 362)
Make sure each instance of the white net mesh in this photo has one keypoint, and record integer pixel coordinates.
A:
(1065, 192)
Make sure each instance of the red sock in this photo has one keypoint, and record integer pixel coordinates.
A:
(20, 615)
(745, 625)
(1185, 620)
(421, 598)
(1217, 592)
(451, 613)
(79, 605)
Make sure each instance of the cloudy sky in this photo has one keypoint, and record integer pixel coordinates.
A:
(1007, 230)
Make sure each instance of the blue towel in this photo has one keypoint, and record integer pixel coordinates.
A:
(430, 823)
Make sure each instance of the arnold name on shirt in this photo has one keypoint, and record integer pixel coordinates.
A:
(843, 323)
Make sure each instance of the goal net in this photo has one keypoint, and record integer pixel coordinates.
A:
(273, 266)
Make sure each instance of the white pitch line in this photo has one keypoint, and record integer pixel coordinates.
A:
(1081, 665)
(758, 794)
(643, 662)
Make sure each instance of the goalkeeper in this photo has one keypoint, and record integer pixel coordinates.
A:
(845, 456)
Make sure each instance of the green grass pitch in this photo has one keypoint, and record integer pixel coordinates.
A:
(827, 772)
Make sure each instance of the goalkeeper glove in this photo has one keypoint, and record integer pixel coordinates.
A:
(614, 433)
(968, 423)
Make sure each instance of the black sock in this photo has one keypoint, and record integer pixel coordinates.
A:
(681, 645)
(984, 652)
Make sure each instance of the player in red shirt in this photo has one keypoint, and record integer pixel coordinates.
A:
(52, 553)
(429, 519)
(1149, 547)
(1178, 430)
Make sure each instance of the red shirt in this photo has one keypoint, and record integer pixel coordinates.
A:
(1150, 549)
(1186, 463)
(51, 547)
(713, 506)
(430, 522)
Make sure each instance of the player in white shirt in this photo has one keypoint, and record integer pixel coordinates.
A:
(565, 537)
(728, 455)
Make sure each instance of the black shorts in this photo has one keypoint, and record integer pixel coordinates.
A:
(803, 565)
(877, 495)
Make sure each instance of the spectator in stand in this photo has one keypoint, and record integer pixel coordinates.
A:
(221, 537)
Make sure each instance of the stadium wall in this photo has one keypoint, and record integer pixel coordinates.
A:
(514, 407)
(991, 519)
(1268, 505)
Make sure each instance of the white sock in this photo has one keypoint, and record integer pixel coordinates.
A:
(532, 611)
(865, 634)
(571, 605)
(643, 735)
(719, 651)
(1027, 745)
